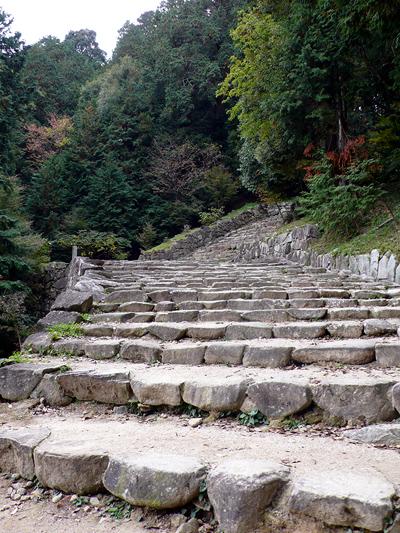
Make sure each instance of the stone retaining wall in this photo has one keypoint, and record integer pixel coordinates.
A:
(209, 234)
(295, 245)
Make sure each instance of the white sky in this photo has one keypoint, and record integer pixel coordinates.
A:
(38, 18)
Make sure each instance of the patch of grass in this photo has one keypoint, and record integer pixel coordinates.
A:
(298, 223)
(15, 358)
(80, 501)
(236, 212)
(252, 419)
(86, 317)
(119, 509)
(59, 331)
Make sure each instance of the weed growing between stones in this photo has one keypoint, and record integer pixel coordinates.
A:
(118, 509)
(16, 357)
(86, 317)
(192, 411)
(252, 419)
(60, 331)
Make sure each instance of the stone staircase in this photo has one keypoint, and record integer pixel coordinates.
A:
(267, 389)
(226, 248)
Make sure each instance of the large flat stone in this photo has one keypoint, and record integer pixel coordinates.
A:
(126, 296)
(241, 490)
(140, 351)
(245, 331)
(88, 385)
(376, 327)
(16, 449)
(158, 482)
(381, 434)
(224, 353)
(157, 391)
(354, 352)
(355, 399)
(299, 331)
(214, 394)
(17, 382)
(168, 332)
(343, 498)
(388, 354)
(268, 356)
(38, 342)
(184, 354)
(59, 317)
(206, 332)
(279, 399)
(70, 466)
(102, 349)
(71, 300)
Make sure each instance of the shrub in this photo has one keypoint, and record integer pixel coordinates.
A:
(211, 216)
(95, 244)
(341, 203)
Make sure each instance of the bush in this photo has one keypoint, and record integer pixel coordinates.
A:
(211, 216)
(148, 236)
(95, 244)
(341, 204)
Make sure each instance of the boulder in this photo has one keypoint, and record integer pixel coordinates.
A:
(343, 498)
(102, 349)
(71, 300)
(184, 354)
(279, 399)
(59, 317)
(158, 482)
(73, 468)
(157, 391)
(381, 434)
(38, 342)
(125, 296)
(375, 327)
(355, 399)
(52, 392)
(388, 354)
(17, 382)
(167, 332)
(215, 394)
(16, 449)
(139, 351)
(241, 490)
(94, 386)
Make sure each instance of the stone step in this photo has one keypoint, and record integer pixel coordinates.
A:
(163, 465)
(355, 396)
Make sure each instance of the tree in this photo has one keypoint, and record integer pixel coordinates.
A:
(84, 42)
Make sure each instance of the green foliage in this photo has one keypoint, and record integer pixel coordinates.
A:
(341, 204)
(148, 236)
(59, 331)
(252, 419)
(86, 317)
(211, 216)
(119, 510)
(16, 357)
(95, 244)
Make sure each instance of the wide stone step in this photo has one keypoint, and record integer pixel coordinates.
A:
(164, 465)
(352, 397)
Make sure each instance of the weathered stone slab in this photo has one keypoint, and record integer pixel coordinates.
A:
(126, 296)
(168, 332)
(102, 349)
(241, 490)
(212, 394)
(244, 331)
(130, 330)
(140, 351)
(299, 331)
(38, 342)
(307, 313)
(59, 317)
(158, 482)
(71, 300)
(70, 466)
(279, 399)
(268, 356)
(344, 499)
(177, 316)
(157, 391)
(113, 317)
(396, 397)
(206, 332)
(136, 307)
(224, 353)
(17, 382)
(345, 330)
(375, 327)
(354, 352)
(356, 400)
(16, 449)
(98, 330)
(184, 354)
(388, 354)
(51, 391)
(88, 385)
(381, 434)
(348, 313)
